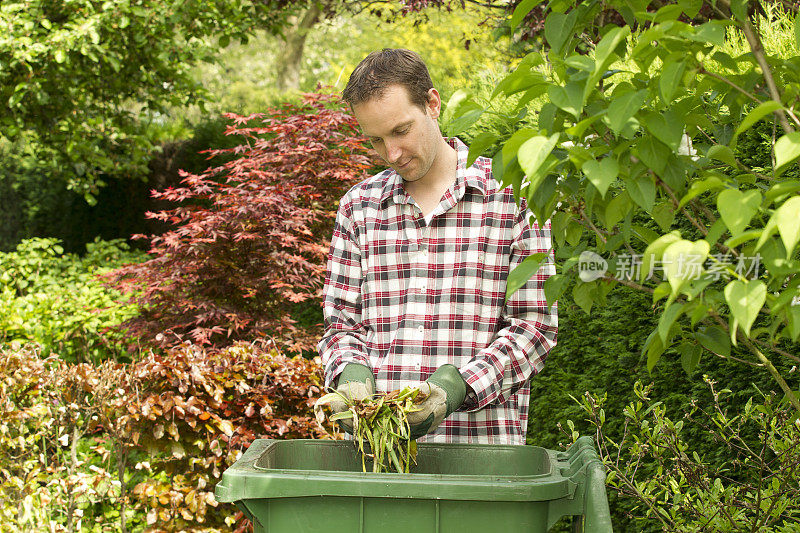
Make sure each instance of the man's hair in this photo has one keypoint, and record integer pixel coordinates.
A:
(382, 69)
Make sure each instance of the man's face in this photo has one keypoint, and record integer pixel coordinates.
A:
(406, 136)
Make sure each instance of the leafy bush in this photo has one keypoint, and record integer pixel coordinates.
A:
(754, 487)
(602, 355)
(196, 411)
(55, 300)
(142, 444)
(57, 473)
(254, 244)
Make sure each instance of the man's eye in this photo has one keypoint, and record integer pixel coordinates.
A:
(376, 141)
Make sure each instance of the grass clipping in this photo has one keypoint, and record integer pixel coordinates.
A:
(380, 427)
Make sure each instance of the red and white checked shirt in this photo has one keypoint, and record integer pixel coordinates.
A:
(404, 297)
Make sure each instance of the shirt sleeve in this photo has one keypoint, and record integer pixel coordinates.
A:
(344, 338)
(519, 349)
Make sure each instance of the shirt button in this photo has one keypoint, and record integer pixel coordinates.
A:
(421, 329)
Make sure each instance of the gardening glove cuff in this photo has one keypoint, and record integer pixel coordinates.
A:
(446, 391)
(356, 382)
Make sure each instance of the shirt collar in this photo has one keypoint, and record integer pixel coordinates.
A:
(465, 177)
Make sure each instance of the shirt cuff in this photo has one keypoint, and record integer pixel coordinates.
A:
(482, 385)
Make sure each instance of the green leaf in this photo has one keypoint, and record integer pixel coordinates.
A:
(558, 29)
(654, 348)
(522, 9)
(711, 32)
(518, 277)
(601, 173)
(714, 340)
(554, 287)
(745, 300)
(642, 190)
(330, 397)
(574, 232)
(759, 112)
(712, 183)
(787, 219)
(60, 56)
(787, 149)
(737, 208)
(781, 189)
(723, 153)
(224, 41)
(690, 356)
(605, 48)
(654, 252)
(663, 215)
(666, 128)
(667, 13)
(667, 319)
(604, 56)
(522, 79)
(797, 30)
(671, 74)
(582, 295)
(465, 117)
(616, 209)
(569, 97)
(661, 291)
(534, 151)
(479, 145)
(698, 313)
(683, 262)
(623, 107)
(343, 415)
(733, 242)
(578, 129)
(653, 153)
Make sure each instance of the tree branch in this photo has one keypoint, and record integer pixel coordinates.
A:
(728, 82)
(772, 370)
(757, 48)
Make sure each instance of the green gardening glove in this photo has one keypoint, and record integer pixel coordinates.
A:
(446, 391)
(357, 383)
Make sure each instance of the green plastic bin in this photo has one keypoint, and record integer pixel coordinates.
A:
(317, 486)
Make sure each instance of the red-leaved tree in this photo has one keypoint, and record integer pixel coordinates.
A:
(251, 235)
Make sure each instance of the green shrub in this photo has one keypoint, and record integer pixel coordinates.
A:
(55, 300)
(753, 484)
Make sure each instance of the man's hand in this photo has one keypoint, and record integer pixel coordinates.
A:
(446, 391)
(357, 383)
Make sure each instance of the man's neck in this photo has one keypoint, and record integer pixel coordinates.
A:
(428, 190)
(441, 175)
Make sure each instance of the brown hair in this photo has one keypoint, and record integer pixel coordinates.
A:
(382, 69)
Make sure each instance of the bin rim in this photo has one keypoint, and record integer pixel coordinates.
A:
(239, 482)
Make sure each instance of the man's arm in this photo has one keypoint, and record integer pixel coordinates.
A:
(519, 349)
(344, 339)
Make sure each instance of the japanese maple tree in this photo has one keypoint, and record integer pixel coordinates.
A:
(251, 234)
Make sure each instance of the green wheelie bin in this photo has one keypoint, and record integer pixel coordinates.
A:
(318, 486)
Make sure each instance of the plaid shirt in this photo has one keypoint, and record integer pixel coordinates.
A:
(404, 297)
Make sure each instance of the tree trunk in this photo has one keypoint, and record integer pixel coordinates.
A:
(288, 64)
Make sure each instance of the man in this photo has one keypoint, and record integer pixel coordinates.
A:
(416, 280)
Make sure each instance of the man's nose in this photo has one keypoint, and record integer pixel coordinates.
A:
(393, 152)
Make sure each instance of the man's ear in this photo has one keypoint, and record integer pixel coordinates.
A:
(434, 105)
